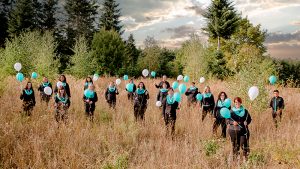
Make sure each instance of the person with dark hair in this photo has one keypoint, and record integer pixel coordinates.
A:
(111, 95)
(191, 94)
(162, 96)
(164, 80)
(62, 81)
(277, 105)
(130, 93)
(88, 81)
(170, 107)
(238, 128)
(90, 98)
(219, 120)
(28, 99)
(62, 104)
(208, 102)
(141, 96)
(43, 95)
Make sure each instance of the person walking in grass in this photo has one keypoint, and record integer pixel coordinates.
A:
(131, 93)
(44, 97)
(62, 104)
(277, 105)
(191, 94)
(170, 107)
(219, 120)
(87, 82)
(208, 102)
(162, 96)
(238, 128)
(90, 98)
(141, 97)
(164, 80)
(111, 95)
(28, 98)
(62, 81)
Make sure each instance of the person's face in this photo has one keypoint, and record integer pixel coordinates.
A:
(89, 79)
(170, 92)
(29, 85)
(276, 94)
(91, 87)
(45, 79)
(193, 84)
(164, 78)
(237, 104)
(62, 91)
(141, 85)
(62, 78)
(207, 90)
(222, 96)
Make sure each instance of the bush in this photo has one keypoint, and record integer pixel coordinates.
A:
(211, 147)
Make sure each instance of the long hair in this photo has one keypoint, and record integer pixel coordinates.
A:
(219, 96)
(64, 94)
(64, 78)
(207, 87)
(144, 87)
(26, 87)
(86, 79)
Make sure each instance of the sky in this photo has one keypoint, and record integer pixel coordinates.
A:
(172, 21)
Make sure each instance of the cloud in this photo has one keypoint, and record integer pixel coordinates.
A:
(284, 50)
(283, 37)
(295, 23)
(181, 31)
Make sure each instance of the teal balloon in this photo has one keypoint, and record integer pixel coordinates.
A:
(182, 88)
(227, 102)
(88, 93)
(129, 87)
(175, 85)
(125, 77)
(272, 79)
(186, 78)
(225, 112)
(177, 97)
(153, 74)
(20, 77)
(199, 96)
(34, 75)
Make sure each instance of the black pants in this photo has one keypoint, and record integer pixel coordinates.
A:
(170, 124)
(89, 110)
(217, 123)
(112, 103)
(205, 111)
(28, 107)
(130, 96)
(139, 112)
(276, 114)
(239, 139)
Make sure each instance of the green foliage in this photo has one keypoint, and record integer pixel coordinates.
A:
(82, 61)
(34, 51)
(5, 7)
(288, 73)
(120, 163)
(49, 8)
(257, 158)
(192, 57)
(108, 52)
(211, 147)
(110, 17)
(217, 65)
(132, 55)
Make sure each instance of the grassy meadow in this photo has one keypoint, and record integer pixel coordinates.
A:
(114, 140)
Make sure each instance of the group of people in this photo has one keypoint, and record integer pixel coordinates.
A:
(236, 126)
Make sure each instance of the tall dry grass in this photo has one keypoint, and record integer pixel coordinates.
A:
(114, 140)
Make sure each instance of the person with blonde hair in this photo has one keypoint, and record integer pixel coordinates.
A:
(141, 97)
(111, 95)
(62, 104)
(90, 98)
(208, 102)
(44, 97)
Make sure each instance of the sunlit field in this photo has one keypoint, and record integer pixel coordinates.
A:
(115, 140)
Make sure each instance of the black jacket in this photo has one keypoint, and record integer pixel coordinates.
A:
(94, 99)
(240, 121)
(170, 110)
(217, 110)
(133, 90)
(208, 102)
(28, 98)
(279, 103)
(160, 85)
(111, 96)
(141, 99)
(67, 88)
(191, 94)
(56, 99)
(42, 87)
(161, 96)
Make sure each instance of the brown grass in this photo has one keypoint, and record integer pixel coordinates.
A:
(114, 140)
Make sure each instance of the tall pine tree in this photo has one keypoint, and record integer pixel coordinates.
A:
(49, 8)
(110, 17)
(5, 8)
(132, 54)
(222, 20)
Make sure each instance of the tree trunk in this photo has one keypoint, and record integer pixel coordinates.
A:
(218, 43)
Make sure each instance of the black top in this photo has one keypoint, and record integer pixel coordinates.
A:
(279, 103)
(28, 98)
(42, 87)
(170, 109)
(141, 99)
(161, 96)
(217, 110)
(191, 94)
(133, 90)
(109, 95)
(160, 85)
(57, 100)
(94, 99)
(240, 121)
(67, 88)
(209, 101)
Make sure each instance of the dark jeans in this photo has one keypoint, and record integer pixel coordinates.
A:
(275, 116)
(139, 112)
(112, 103)
(89, 110)
(217, 123)
(205, 111)
(239, 139)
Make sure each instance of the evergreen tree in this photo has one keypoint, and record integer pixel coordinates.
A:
(222, 20)
(5, 8)
(49, 8)
(131, 54)
(110, 17)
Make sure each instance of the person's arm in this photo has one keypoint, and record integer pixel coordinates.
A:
(271, 103)
(187, 92)
(117, 91)
(95, 97)
(213, 100)
(134, 88)
(22, 95)
(40, 88)
(281, 104)
(33, 97)
(248, 118)
(158, 96)
(147, 95)
(68, 90)
(106, 94)
(157, 86)
(168, 84)
(215, 110)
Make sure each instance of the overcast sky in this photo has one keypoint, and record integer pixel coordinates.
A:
(171, 21)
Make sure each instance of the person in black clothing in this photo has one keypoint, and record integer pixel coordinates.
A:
(28, 99)
(208, 102)
(238, 128)
(141, 97)
(62, 104)
(111, 95)
(170, 108)
(160, 85)
(43, 95)
(90, 98)
(191, 94)
(87, 82)
(219, 120)
(130, 94)
(162, 96)
(63, 82)
(277, 105)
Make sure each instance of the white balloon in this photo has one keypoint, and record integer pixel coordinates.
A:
(95, 77)
(118, 82)
(158, 103)
(18, 66)
(59, 84)
(253, 92)
(48, 91)
(202, 80)
(180, 77)
(145, 72)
